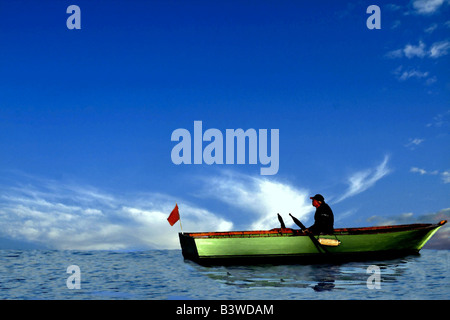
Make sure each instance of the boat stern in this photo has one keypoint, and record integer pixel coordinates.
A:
(188, 246)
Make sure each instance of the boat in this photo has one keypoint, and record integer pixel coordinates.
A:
(286, 245)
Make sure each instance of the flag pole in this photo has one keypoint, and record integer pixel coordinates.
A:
(181, 227)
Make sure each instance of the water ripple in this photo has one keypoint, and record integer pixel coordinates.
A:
(107, 275)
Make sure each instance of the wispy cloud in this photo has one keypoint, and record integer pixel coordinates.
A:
(431, 28)
(404, 75)
(260, 198)
(423, 171)
(74, 216)
(439, 49)
(413, 143)
(60, 216)
(417, 7)
(411, 51)
(440, 120)
(362, 180)
(436, 50)
(445, 175)
(426, 7)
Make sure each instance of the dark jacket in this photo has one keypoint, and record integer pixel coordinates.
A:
(323, 220)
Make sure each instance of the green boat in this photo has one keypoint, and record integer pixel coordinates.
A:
(285, 245)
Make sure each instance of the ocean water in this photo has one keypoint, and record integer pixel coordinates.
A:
(149, 275)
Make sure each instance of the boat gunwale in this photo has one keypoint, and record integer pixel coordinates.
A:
(296, 232)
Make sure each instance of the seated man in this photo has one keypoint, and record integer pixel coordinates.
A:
(323, 218)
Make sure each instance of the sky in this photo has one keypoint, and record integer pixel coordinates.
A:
(88, 115)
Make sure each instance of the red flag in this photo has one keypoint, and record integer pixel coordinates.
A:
(174, 216)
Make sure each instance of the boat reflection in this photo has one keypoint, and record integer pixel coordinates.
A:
(320, 277)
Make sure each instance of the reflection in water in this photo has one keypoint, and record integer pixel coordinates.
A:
(325, 278)
(319, 277)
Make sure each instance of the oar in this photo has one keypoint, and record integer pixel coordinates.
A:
(297, 222)
(283, 226)
(313, 239)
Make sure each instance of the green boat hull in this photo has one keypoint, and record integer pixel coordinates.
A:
(285, 245)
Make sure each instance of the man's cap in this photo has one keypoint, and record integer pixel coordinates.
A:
(318, 197)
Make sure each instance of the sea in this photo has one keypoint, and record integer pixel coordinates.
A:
(165, 275)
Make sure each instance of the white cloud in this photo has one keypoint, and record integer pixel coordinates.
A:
(418, 170)
(404, 75)
(411, 51)
(441, 120)
(413, 74)
(261, 198)
(445, 175)
(436, 50)
(62, 216)
(76, 217)
(417, 141)
(439, 49)
(426, 7)
(362, 180)
(431, 28)
(414, 143)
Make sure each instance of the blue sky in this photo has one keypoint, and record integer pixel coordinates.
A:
(86, 116)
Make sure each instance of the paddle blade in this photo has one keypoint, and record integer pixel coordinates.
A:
(297, 222)
(281, 221)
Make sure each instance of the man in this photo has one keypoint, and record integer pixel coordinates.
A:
(323, 218)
